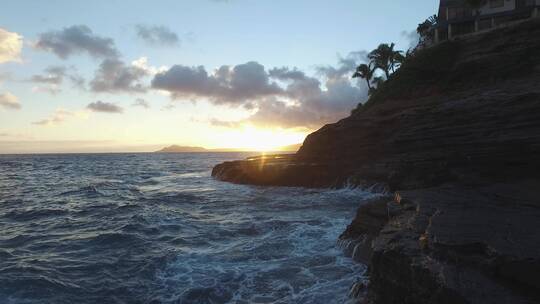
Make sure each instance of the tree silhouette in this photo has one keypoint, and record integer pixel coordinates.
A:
(425, 29)
(381, 58)
(365, 71)
(385, 58)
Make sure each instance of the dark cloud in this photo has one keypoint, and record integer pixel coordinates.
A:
(114, 75)
(280, 97)
(313, 102)
(76, 39)
(105, 107)
(308, 105)
(54, 76)
(157, 35)
(227, 85)
(139, 102)
(285, 73)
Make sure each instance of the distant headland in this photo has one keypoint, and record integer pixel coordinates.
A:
(188, 149)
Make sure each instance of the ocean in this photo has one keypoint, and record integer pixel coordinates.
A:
(157, 228)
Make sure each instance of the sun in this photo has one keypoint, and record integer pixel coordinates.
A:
(250, 138)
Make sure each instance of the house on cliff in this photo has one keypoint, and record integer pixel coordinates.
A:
(459, 17)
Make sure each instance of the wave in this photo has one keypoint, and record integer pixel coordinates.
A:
(159, 229)
(34, 214)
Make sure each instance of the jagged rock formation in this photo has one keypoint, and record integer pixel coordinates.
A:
(456, 131)
(451, 244)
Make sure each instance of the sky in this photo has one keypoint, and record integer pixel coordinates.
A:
(134, 76)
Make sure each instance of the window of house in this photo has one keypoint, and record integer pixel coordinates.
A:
(496, 3)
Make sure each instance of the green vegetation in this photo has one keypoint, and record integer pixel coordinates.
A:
(387, 59)
(423, 71)
(365, 71)
(426, 29)
(384, 58)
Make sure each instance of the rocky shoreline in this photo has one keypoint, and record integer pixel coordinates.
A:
(451, 244)
(455, 134)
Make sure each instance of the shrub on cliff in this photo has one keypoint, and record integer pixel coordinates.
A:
(419, 72)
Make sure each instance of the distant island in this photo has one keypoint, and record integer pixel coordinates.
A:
(181, 149)
(188, 149)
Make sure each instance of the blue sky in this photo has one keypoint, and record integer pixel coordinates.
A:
(299, 35)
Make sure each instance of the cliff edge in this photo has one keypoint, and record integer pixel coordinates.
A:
(456, 133)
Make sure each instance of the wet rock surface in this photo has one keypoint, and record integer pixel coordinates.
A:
(456, 133)
(452, 244)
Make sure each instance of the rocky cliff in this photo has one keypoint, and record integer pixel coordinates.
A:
(456, 132)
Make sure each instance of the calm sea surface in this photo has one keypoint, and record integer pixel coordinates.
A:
(156, 228)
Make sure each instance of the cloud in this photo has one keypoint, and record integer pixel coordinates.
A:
(280, 97)
(10, 46)
(114, 75)
(5, 76)
(226, 85)
(105, 107)
(76, 39)
(139, 102)
(142, 63)
(52, 89)
(53, 75)
(285, 73)
(9, 101)
(157, 35)
(53, 78)
(307, 105)
(346, 65)
(58, 117)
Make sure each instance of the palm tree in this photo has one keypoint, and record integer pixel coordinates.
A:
(399, 59)
(385, 58)
(381, 58)
(426, 29)
(396, 58)
(365, 71)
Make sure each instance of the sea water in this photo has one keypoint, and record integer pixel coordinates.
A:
(156, 228)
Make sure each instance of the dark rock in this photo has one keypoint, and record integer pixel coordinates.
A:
(461, 245)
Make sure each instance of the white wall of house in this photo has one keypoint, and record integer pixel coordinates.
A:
(498, 6)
